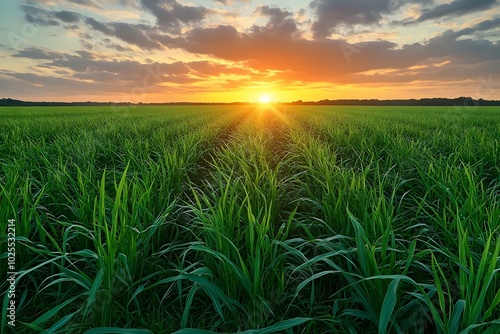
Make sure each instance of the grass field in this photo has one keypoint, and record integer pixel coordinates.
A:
(295, 219)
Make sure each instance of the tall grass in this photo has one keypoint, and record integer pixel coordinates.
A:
(257, 219)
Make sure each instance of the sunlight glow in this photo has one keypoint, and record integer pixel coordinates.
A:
(265, 99)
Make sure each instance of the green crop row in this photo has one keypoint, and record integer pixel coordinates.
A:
(267, 219)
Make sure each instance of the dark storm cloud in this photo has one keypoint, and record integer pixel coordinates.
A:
(171, 15)
(455, 8)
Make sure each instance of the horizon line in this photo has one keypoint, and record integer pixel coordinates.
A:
(13, 102)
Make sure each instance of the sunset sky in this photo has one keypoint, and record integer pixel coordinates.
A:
(237, 50)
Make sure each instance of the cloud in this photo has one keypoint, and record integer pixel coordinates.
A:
(109, 44)
(42, 17)
(68, 17)
(102, 27)
(210, 69)
(90, 66)
(171, 15)
(135, 34)
(280, 21)
(278, 52)
(128, 3)
(86, 3)
(336, 61)
(482, 26)
(455, 8)
(86, 67)
(332, 14)
(230, 2)
(37, 53)
(453, 73)
(38, 16)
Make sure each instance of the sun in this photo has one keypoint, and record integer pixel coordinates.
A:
(265, 99)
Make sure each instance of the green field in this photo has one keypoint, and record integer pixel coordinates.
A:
(298, 219)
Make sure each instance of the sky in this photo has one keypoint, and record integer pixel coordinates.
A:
(242, 50)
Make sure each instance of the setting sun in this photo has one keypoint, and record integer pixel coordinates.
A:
(251, 160)
(265, 99)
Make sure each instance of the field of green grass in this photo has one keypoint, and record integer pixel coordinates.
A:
(263, 219)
